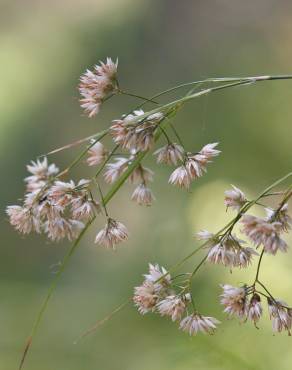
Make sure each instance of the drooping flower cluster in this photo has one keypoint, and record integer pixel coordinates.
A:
(134, 133)
(235, 300)
(170, 154)
(59, 209)
(227, 250)
(267, 231)
(51, 206)
(234, 198)
(113, 233)
(197, 323)
(96, 154)
(194, 166)
(237, 303)
(157, 294)
(280, 314)
(95, 86)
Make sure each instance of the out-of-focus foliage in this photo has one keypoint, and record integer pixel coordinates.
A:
(44, 47)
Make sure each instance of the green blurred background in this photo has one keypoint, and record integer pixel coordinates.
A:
(44, 47)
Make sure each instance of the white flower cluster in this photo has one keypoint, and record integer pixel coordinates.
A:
(157, 294)
(51, 206)
(267, 231)
(96, 85)
(59, 209)
(193, 167)
(227, 250)
(132, 133)
(237, 302)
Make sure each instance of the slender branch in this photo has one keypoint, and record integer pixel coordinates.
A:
(219, 80)
(102, 321)
(52, 289)
(139, 97)
(97, 136)
(106, 161)
(82, 154)
(259, 265)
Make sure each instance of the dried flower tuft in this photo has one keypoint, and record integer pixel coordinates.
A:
(113, 233)
(197, 323)
(96, 85)
(234, 198)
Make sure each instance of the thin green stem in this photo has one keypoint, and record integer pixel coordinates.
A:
(52, 289)
(219, 80)
(98, 136)
(176, 134)
(200, 264)
(82, 154)
(259, 265)
(139, 97)
(105, 319)
(263, 286)
(102, 197)
(106, 161)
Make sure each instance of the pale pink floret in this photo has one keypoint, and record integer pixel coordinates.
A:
(159, 276)
(143, 195)
(204, 235)
(108, 69)
(114, 170)
(145, 297)
(96, 85)
(96, 154)
(135, 134)
(218, 254)
(180, 177)
(263, 232)
(244, 257)
(41, 172)
(83, 208)
(141, 174)
(254, 309)
(196, 163)
(234, 198)
(170, 154)
(228, 250)
(234, 299)
(113, 233)
(281, 215)
(173, 306)
(281, 315)
(23, 219)
(61, 193)
(197, 323)
(59, 228)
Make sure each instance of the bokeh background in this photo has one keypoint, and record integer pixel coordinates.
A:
(44, 47)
